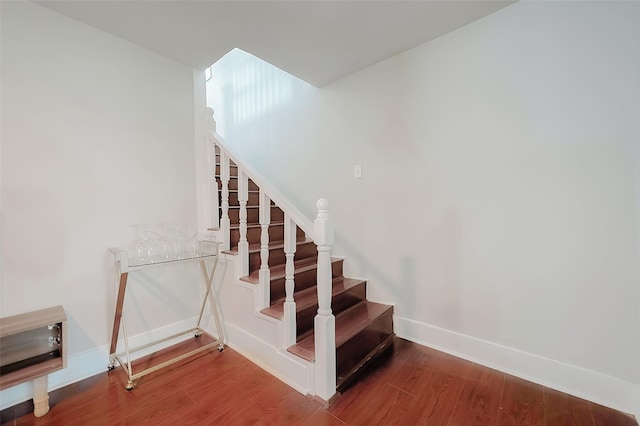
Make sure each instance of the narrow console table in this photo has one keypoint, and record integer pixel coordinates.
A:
(125, 267)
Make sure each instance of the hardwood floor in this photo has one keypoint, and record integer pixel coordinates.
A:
(415, 386)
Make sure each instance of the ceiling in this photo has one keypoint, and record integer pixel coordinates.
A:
(317, 41)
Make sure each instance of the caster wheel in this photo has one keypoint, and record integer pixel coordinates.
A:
(110, 367)
(220, 348)
(129, 386)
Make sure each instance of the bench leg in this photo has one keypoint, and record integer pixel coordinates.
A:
(41, 396)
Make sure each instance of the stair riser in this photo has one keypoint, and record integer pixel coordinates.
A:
(233, 184)
(252, 200)
(253, 215)
(354, 351)
(233, 170)
(276, 233)
(303, 280)
(277, 255)
(339, 303)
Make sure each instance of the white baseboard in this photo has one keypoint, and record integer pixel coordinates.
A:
(94, 361)
(587, 384)
(79, 366)
(583, 383)
(276, 361)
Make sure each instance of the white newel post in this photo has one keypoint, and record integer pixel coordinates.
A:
(324, 322)
(213, 216)
(289, 284)
(264, 284)
(225, 224)
(243, 244)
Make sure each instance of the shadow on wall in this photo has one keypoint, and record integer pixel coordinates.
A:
(435, 273)
(448, 287)
(406, 287)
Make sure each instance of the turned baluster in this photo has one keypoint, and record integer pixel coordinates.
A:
(264, 286)
(213, 188)
(289, 284)
(243, 244)
(324, 322)
(225, 223)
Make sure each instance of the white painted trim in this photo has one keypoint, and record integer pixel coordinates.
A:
(267, 318)
(245, 284)
(587, 384)
(93, 361)
(276, 361)
(79, 366)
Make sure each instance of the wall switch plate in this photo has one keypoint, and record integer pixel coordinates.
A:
(357, 171)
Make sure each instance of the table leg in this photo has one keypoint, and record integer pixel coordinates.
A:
(117, 318)
(208, 280)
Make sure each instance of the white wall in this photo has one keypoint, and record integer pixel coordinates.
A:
(499, 209)
(97, 135)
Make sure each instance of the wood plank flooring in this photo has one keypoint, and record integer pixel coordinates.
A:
(413, 385)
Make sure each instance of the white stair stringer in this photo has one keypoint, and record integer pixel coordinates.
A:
(254, 335)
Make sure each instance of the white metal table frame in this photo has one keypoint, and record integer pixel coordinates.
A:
(122, 263)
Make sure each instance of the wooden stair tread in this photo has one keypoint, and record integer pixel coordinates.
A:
(255, 248)
(277, 271)
(273, 245)
(254, 225)
(348, 324)
(309, 296)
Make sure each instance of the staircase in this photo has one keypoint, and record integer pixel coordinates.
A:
(280, 259)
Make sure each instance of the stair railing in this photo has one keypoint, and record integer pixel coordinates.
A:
(321, 230)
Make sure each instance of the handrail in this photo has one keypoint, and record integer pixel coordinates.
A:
(298, 217)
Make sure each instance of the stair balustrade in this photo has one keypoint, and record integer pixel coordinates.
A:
(321, 231)
(324, 318)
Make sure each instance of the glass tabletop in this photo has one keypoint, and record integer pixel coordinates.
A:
(158, 256)
(136, 261)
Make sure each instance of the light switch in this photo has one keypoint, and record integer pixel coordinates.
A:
(357, 171)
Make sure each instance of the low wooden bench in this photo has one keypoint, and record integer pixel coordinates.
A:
(32, 345)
